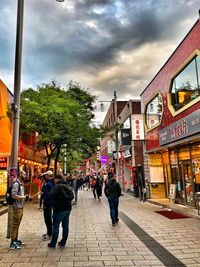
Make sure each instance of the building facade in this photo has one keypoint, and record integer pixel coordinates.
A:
(171, 104)
(30, 159)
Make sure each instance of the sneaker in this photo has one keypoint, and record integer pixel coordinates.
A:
(113, 224)
(117, 221)
(14, 245)
(50, 246)
(60, 245)
(20, 243)
(46, 238)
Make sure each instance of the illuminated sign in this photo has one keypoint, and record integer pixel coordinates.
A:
(3, 163)
(104, 159)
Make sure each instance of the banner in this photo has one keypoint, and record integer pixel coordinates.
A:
(137, 127)
(126, 137)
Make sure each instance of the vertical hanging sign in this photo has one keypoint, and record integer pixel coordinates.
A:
(137, 126)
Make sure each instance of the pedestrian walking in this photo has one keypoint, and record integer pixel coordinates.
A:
(61, 196)
(47, 205)
(76, 183)
(112, 191)
(18, 195)
(99, 186)
(93, 186)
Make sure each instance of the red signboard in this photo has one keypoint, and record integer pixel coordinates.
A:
(3, 163)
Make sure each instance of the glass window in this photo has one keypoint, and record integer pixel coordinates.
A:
(185, 86)
(154, 112)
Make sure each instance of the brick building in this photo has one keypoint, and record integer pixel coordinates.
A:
(171, 104)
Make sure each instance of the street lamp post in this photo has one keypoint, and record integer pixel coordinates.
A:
(116, 136)
(17, 86)
(15, 106)
(116, 132)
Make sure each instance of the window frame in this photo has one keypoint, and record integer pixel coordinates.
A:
(151, 100)
(171, 108)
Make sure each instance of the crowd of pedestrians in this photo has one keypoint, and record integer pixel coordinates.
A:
(57, 196)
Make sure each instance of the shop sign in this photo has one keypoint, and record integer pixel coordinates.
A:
(137, 127)
(172, 191)
(127, 153)
(3, 163)
(185, 127)
(104, 159)
(110, 146)
(126, 137)
(115, 155)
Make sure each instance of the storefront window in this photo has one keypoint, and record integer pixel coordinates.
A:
(154, 112)
(185, 86)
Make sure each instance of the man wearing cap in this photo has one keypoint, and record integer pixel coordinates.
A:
(61, 196)
(47, 205)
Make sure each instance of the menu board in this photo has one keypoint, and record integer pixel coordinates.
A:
(156, 174)
(3, 182)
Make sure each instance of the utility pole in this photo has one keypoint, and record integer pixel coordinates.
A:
(15, 106)
(116, 136)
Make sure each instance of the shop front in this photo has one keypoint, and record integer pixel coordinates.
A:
(182, 142)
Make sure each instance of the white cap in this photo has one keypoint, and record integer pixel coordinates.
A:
(50, 173)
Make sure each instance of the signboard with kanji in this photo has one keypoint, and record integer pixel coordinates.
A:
(137, 126)
(3, 163)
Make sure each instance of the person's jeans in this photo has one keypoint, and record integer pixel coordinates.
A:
(58, 217)
(113, 203)
(48, 218)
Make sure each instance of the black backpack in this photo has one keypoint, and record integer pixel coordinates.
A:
(8, 196)
(67, 192)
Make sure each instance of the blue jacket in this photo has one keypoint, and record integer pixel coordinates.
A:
(46, 188)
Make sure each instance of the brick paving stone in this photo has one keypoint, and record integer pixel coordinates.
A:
(119, 263)
(88, 264)
(102, 258)
(146, 262)
(27, 265)
(18, 259)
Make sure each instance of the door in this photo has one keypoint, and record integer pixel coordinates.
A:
(188, 183)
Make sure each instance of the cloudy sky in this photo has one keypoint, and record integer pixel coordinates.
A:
(105, 45)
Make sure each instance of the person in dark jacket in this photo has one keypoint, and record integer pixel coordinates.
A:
(112, 191)
(47, 207)
(99, 186)
(61, 196)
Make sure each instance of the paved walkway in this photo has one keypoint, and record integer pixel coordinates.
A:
(142, 238)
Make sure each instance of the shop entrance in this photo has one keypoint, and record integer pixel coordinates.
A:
(187, 181)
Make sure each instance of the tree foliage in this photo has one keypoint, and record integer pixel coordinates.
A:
(60, 116)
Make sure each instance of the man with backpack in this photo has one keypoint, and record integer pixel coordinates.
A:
(18, 196)
(61, 196)
(112, 191)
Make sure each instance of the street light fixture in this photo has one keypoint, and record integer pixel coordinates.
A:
(116, 131)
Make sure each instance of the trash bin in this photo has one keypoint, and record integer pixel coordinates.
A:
(197, 201)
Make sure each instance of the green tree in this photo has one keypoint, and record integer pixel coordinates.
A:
(59, 117)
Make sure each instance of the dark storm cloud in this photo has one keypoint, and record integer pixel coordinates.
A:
(88, 35)
(81, 45)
